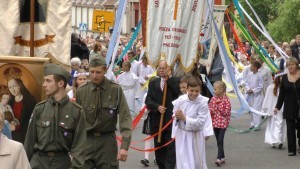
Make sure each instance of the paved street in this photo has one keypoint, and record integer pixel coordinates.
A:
(242, 151)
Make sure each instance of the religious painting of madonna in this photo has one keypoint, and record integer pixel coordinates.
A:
(20, 89)
(40, 10)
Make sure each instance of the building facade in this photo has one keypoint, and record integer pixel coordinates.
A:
(83, 19)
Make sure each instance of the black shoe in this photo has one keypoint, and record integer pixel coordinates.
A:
(280, 146)
(145, 162)
(154, 161)
(291, 154)
(273, 146)
(252, 127)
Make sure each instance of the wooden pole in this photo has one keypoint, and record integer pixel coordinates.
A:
(162, 114)
(32, 11)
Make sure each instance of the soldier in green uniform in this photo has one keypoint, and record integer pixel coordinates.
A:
(103, 101)
(56, 129)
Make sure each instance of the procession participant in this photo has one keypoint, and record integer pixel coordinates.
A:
(165, 156)
(289, 96)
(57, 127)
(276, 126)
(220, 108)
(103, 101)
(254, 93)
(191, 112)
(128, 81)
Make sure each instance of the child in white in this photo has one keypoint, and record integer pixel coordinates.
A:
(276, 126)
(128, 82)
(208, 128)
(144, 73)
(254, 93)
(191, 112)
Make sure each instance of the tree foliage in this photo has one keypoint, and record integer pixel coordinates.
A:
(281, 17)
(287, 25)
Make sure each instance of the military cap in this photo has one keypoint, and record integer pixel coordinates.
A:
(97, 61)
(53, 69)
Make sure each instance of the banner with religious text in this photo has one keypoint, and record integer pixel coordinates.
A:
(211, 44)
(172, 30)
(52, 28)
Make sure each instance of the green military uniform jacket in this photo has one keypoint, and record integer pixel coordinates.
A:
(102, 104)
(58, 128)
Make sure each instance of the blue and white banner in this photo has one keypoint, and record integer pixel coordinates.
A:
(117, 31)
(130, 43)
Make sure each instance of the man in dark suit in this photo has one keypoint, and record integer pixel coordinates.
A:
(79, 48)
(165, 156)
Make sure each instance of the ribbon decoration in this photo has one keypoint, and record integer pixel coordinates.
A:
(247, 130)
(211, 89)
(117, 30)
(236, 37)
(149, 137)
(227, 65)
(236, 3)
(228, 50)
(150, 149)
(138, 118)
(264, 31)
(147, 82)
(209, 86)
(134, 36)
(268, 61)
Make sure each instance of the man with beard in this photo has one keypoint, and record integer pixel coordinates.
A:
(56, 129)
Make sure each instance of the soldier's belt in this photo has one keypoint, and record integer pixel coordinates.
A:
(53, 153)
(98, 134)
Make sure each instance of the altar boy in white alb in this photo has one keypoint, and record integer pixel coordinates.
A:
(128, 81)
(254, 93)
(191, 112)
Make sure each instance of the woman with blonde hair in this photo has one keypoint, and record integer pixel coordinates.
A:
(290, 97)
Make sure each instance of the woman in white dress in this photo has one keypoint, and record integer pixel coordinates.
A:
(276, 126)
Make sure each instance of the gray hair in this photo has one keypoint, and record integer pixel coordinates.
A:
(75, 61)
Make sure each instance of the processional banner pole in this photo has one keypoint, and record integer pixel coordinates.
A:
(32, 11)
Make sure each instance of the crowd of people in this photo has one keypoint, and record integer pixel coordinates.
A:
(279, 97)
(77, 122)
